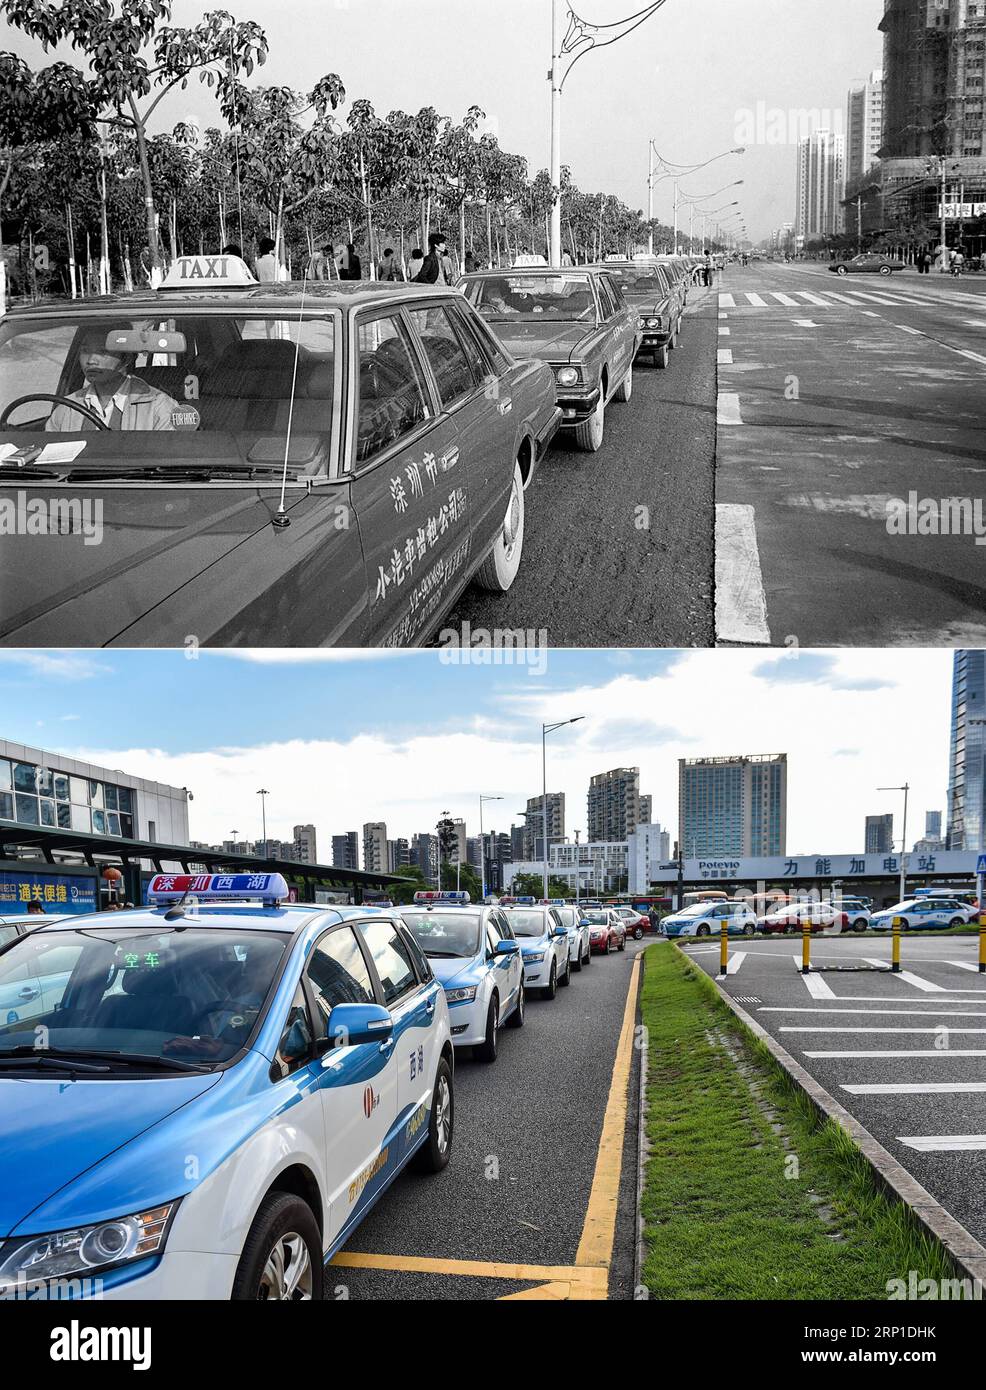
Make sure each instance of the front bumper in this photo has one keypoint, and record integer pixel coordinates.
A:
(544, 437)
(600, 946)
(467, 1023)
(175, 1275)
(577, 405)
(653, 339)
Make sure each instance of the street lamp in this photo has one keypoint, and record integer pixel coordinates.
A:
(263, 793)
(567, 47)
(482, 844)
(676, 172)
(903, 841)
(547, 729)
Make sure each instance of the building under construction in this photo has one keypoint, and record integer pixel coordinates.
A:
(933, 78)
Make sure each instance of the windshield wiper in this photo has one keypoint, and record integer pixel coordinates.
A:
(107, 1057)
(445, 955)
(53, 1063)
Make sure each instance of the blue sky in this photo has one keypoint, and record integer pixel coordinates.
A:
(340, 739)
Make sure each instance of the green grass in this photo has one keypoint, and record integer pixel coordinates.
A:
(721, 1219)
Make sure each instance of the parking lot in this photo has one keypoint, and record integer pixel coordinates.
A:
(538, 1200)
(905, 1054)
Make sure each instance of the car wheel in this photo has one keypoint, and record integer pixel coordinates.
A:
(886, 270)
(842, 270)
(588, 955)
(436, 1151)
(516, 1019)
(957, 922)
(282, 1254)
(638, 933)
(551, 988)
(749, 929)
(566, 979)
(487, 1049)
(589, 436)
(624, 392)
(662, 357)
(576, 964)
(622, 943)
(500, 568)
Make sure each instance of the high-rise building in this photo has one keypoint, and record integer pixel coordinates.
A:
(966, 814)
(735, 806)
(613, 805)
(345, 850)
(821, 185)
(518, 835)
(375, 853)
(304, 844)
(424, 854)
(879, 834)
(534, 828)
(932, 825)
(916, 49)
(864, 127)
(645, 810)
(647, 849)
(398, 855)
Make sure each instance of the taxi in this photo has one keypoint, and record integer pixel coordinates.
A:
(476, 960)
(579, 953)
(924, 913)
(607, 930)
(543, 943)
(222, 1086)
(706, 919)
(575, 319)
(294, 464)
(659, 301)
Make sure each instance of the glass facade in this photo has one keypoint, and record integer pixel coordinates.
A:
(33, 795)
(732, 806)
(967, 754)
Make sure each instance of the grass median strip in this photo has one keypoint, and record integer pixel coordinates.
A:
(748, 1194)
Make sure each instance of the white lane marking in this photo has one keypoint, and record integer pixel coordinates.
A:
(842, 298)
(975, 323)
(724, 357)
(757, 301)
(874, 298)
(785, 299)
(944, 1143)
(724, 317)
(915, 332)
(909, 978)
(882, 998)
(725, 332)
(735, 961)
(805, 323)
(916, 1088)
(928, 1012)
(726, 301)
(855, 1028)
(875, 960)
(814, 984)
(972, 356)
(870, 314)
(728, 409)
(741, 603)
(906, 1052)
(964, 965)
(814, 299)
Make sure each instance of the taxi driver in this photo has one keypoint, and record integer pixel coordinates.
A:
(122, 401)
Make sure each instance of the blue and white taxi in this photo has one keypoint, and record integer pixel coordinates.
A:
(476, 960)
(579, 951)
(225, 1085)
(926, 913)
(543, 943)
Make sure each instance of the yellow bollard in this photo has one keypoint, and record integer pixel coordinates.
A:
(806, 949)
(897, 924)
(724, 948)
(982, 943)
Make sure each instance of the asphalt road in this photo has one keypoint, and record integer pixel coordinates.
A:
(836, 396)
(527, 1136)
(598, 571)
(920, 1037)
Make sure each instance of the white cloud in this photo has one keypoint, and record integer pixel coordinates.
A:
(57, 665)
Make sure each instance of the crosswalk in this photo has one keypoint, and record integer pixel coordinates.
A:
(822, 299)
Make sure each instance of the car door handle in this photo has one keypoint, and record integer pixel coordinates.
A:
(28, 993)
(387, 1046)
(430, 1007)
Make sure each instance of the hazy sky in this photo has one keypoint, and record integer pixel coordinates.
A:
(685, 78)
(344, 738)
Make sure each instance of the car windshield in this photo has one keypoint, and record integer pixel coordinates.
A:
(527, 923)
(445, 934)
(696, 910)
(565, 298)
(185, 993)
(230, 378)
(638, 279)
(595, 919)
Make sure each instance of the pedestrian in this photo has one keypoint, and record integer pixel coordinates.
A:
(35, 909)
(470, 263)
(389, 267)
(415, 264)
(354, 266)
(318, 265)
(433, 270)
(929, 261)
(232, 248)
(268, 270)
(655, 919)
(566, 259)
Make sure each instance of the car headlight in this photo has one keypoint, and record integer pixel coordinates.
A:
(532, 957)
(86, 1248)
(653, 323)
(461, 996)
(568, 376)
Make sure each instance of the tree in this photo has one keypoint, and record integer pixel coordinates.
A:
(415, 883)
(527, 886)
(462, 167)
(448, 839)
(136, 55)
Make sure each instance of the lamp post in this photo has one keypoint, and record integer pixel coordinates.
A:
(263, 793)
(547, 729)
(482, 844)
(903, 841)
(578, 868)
(569, 43)
(676, 172)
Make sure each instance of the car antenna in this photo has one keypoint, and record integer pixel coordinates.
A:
(281, 521)
(177, 910)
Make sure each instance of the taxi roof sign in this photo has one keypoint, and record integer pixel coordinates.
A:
(450, 895)
(169, 888)
(208, 273)
(517, 902)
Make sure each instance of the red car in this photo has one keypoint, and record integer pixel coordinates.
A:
(636, 923)
(607, 931)
(821, 917)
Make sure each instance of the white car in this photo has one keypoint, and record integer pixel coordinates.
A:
(579, 952)
(544, 944)
(924, 912)
(706, 919)
(472, 951)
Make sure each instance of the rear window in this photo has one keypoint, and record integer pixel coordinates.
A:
(567, 298)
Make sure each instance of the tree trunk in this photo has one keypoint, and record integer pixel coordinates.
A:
(70, 233)
(104, 235)
(153, 244)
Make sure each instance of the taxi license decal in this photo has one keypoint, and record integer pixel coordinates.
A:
(415, 1122)
(185, 417)
(368, 1174)
(415, 548)
(426, 598)
(412, 476)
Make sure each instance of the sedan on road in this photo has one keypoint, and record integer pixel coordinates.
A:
(543, 942)
(579, 953)
(281, 465)
(794, 917)
(607, 931)
(636, 923)
(918, 913)
(575, 320)
(659, 300)
(867, 264)
(706, 919)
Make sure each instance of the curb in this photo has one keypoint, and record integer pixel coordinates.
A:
(644, 1050)
(963, 1248)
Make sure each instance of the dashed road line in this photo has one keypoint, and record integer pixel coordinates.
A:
(724, 357)
(916, 1088)
(905, 1052)
(728, 409)
(944, 1143)
(741, 601)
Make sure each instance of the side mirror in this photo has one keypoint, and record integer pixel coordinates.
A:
(560, 931)
(352, 1024)
(297, 1043)
(506, 948)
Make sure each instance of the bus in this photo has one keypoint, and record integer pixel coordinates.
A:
(968, 896)
(704, 895)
